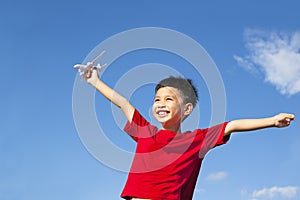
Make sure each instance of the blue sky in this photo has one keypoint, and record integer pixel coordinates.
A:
(255, 45)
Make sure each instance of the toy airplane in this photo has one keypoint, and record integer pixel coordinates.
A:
(84, 69)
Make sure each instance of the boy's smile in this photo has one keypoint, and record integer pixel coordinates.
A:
(168, 108)
(162, 113)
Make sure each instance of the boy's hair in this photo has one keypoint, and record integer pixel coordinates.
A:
(185, 86)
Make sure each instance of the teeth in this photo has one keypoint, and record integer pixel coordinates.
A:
(162, 113)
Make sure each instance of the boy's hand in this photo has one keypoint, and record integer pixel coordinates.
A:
(92, 77)
(283, 119)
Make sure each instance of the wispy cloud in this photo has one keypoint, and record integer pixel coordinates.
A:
(218, 176)
(287, 192)
(276, 55)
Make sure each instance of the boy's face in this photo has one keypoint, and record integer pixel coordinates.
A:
(168, 107)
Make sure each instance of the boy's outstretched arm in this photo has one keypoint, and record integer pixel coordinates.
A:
(280, 120)
(110, 94)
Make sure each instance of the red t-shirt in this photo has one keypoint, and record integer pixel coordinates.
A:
(166, 164)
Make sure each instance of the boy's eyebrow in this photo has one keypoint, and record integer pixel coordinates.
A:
(169, 95)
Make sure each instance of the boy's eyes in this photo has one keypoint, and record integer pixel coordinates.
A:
(168, 99)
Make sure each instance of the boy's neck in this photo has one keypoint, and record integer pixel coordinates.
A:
(176, 129)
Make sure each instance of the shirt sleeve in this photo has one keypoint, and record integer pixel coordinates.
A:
(221, 139)
(214, 136)
(139, 127)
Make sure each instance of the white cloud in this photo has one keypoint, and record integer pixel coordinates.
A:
(276, 55)
(218, 176)
(246, 64)
(269, 193)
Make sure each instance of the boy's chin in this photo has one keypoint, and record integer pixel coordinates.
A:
(161, 120)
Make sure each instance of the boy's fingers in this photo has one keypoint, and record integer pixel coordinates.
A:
(291, 116)
(288, 116)
(89, 74)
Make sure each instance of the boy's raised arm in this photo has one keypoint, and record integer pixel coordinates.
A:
(110, 94)
(280, 120)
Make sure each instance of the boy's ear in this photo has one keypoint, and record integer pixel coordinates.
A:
(188, 109)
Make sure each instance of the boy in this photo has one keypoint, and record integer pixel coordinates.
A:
(167, 162)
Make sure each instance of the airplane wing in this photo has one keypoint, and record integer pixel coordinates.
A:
(84, 69)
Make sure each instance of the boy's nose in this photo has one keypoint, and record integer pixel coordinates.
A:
(161, 106)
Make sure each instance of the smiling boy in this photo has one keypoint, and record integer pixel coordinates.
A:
(167, 161)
